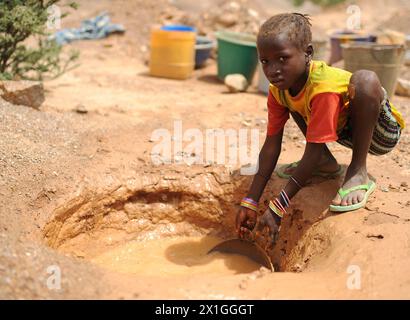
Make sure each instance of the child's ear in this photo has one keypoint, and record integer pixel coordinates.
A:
(308, 54)
(309, 51)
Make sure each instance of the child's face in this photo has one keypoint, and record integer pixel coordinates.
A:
(283, 63)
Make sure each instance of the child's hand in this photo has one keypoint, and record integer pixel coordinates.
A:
(245, 222)
(270, 221)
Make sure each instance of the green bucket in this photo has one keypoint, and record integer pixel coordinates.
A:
(236, 54)
(385, 60)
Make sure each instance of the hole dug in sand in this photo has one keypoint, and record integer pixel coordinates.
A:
(157, 227)
(151, 226)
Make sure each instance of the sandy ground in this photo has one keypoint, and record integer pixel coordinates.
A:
(60, 170)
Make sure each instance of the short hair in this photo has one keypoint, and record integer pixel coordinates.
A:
(295, 25)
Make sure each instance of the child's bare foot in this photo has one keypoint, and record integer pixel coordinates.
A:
(354, 177)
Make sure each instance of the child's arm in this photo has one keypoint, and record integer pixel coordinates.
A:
(268, 157)
(303, 172)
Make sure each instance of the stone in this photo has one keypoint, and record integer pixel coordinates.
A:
(236, 83)
(384, 189)
(234, 5)
(228, 19)
(403, 87)
(80, 108)
(260, 121)
(26, 93)
(246, 123)
(253, 13)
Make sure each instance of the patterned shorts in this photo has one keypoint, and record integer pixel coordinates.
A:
(386, 133)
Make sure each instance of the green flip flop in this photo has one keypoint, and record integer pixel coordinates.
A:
(369, 187)
(281, 171)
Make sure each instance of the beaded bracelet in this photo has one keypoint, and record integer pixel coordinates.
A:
(250, 204)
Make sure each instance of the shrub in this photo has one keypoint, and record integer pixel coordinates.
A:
(23, 21)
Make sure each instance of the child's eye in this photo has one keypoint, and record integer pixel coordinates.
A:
(264, 61)
(282, 59)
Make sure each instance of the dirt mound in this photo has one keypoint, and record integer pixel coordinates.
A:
(399, 21)
(240, 16)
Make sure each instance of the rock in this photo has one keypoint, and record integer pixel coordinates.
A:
(403, 87)
(228, 19)
(384, 189)
(389, 36)
(236, 82)
(26, 93)
(233, 6)
(260, 121)
(253, 13)
(246, 123)
(297, 268)
(80, 109)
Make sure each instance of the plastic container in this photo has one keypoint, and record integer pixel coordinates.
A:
(340, 37)
(172, 52)
(385, 60)
(236, 54)
(203, 48)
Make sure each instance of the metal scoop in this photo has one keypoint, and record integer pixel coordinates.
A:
(246, 248)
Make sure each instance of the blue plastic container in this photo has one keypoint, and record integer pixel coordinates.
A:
(177, 27)
(203, 48)
(346, 36)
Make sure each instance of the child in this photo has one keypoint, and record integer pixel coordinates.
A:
(327, 104)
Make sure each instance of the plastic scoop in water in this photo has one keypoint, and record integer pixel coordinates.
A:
(246, 248)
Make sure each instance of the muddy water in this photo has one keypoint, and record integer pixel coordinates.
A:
(174, 256)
